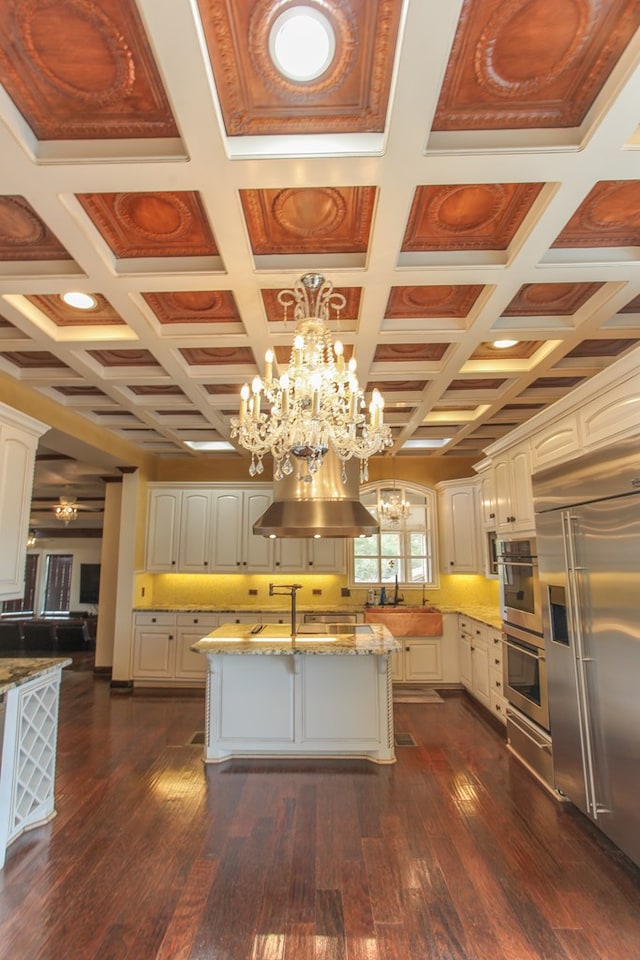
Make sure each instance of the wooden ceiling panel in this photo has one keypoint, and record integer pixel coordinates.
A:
(80, 70)
(256, 99)
(608, 217)
(63, 315)
(550, 299)
(397, 386)
(167, 224)
(34, 360)
(24, 235)
(485, 383)
(476, 216)
(439, 300)
(601, 348)
(194, 306)
(156, 390)
(84, 390)
(309, 219)
(532, 63)
(124, 358)
(409, 352)
(217, 356)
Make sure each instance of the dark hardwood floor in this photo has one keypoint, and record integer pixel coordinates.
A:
(453, 853)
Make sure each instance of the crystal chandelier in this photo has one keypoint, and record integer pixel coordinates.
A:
(32, 538)
(394, 509)
(66, 510)
(317, 404)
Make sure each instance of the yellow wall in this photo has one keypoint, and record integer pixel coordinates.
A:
(425, 470)
(231, 591)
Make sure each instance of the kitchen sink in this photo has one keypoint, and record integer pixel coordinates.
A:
(333, 629)
(407, 621)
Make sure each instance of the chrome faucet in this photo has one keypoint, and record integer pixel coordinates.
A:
(287, 590)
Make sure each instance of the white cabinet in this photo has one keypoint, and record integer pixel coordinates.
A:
(480, 649)
(236, 549)
(309, 556)
(18, 441)
(194, 551)
(163, 530)
(487, 498)
(419, 660)
(555, 443)
(459, 526)
(162, 652)
(513, 493)
(191, 628)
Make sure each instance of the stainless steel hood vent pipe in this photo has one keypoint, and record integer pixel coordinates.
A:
(325, 506)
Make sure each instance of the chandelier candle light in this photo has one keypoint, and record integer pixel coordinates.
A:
(317, 404)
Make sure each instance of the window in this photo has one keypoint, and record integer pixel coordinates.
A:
(26, 603)
(405, 548)
(57, 589)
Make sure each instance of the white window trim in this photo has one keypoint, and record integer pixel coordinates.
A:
(431, 496)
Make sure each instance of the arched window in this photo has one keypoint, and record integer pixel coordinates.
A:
(407, 544)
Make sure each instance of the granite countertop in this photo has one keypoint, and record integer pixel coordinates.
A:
(19, 670)
(238, 639)
(484, 612)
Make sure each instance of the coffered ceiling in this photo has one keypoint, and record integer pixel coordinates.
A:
(463, 172)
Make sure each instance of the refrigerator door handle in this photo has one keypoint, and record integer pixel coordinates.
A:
(575, 626)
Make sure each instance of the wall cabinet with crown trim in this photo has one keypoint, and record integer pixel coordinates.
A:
(18, 441)
(459, 540)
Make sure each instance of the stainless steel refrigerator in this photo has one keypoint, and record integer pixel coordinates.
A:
(588, 526)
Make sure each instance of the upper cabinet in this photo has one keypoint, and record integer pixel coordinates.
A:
(309, 556)
(236, 549)
(18, 441)
(513, 493)
(458, 502)
(487, 497)
(208, 528)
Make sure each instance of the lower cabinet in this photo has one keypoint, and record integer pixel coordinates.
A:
(162, 647)
(419, 660)
(480, 651)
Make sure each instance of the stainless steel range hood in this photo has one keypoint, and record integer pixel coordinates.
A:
(326, 507)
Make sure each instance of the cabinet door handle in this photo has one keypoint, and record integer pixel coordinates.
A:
(498, 684)
(277, 563)
(407, 649)
(492, 516)
(173, 563)
(170, 636)
(206, 563)
(497, 662)
(196, 621)
(472, 648)
(153, 620)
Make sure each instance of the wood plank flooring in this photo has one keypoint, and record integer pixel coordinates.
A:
(453, 853)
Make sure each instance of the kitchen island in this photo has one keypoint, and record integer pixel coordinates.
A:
(29, 695)
(321, 693)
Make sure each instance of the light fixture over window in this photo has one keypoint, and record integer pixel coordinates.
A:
(80, 301)
(32, 539)
(66, 510)
(317, 404)
(393, 508)
(302, 43)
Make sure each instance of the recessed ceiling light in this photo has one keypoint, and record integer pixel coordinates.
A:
(504, 344)
(81, 301)
(302, 43)
(425, 444)
(200, 445)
